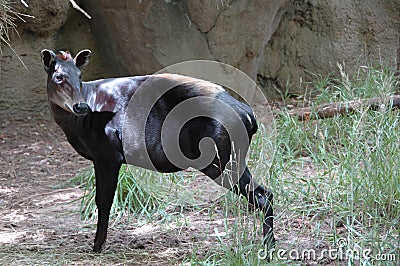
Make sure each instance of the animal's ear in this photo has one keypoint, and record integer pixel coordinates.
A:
(82, 58)
(47, 58)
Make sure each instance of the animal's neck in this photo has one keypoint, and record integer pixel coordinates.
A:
(87, 90)
(62, 117)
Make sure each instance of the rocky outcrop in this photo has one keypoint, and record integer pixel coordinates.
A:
(145, 36)
(141, 37)
(23, 91)
(313, 36)
(48, 15)
(242, 31)
(279, 42)
(204, 13)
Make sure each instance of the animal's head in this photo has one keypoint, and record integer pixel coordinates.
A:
(64, 83)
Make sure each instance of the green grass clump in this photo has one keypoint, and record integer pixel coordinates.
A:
(334, 180)
(341, 174)
(139, 192)
(130, 197)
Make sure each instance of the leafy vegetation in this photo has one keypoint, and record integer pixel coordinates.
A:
(340, 174)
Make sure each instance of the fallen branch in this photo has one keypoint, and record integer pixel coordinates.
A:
(77, 7)
(344, 108)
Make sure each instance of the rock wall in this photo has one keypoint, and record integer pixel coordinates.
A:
(22, 91)
(145, 36)
(314, 36)
(277, 42)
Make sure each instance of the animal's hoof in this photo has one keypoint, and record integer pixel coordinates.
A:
(269, 241)
(98, 248)
(269, 246)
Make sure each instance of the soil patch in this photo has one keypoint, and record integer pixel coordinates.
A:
(39, 209)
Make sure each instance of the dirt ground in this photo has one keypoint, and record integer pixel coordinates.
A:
(37, 207)
(36, 161)
(40, 222)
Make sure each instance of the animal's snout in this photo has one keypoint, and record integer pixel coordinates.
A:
(81, 108)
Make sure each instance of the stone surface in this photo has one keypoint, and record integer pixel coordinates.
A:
(204, 13)
(279, 42)
(141, 37)
(23, 91)
(242, 30)
(314, 36)
(49, 16)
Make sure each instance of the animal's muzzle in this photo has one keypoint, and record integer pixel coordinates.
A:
(81, 108)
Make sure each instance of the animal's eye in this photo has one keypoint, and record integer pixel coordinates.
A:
(58, 78)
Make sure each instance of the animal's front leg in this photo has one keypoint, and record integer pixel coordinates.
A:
(106, 182)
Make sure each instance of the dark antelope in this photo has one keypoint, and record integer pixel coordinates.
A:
(92, 115)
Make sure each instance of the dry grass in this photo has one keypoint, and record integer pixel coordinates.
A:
(8, 19)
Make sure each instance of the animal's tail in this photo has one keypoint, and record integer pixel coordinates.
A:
(250, 122)
(254, 126)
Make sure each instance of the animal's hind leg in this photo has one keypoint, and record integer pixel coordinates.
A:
(262, 199)
(256, 194)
